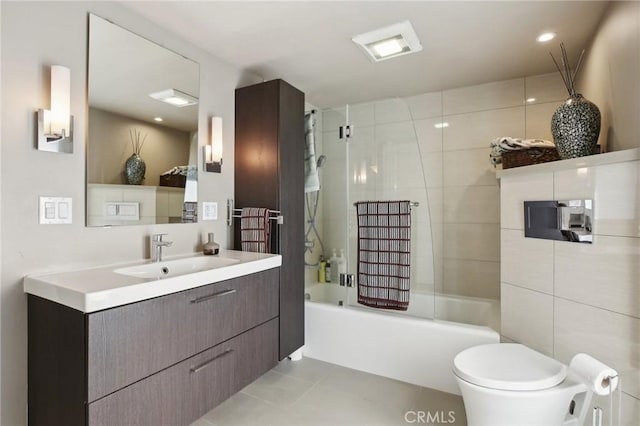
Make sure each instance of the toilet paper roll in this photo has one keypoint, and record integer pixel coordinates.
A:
(601, 378)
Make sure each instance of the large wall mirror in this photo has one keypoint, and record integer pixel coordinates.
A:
(142, 132)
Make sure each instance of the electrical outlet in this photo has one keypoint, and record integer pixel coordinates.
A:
(209, 210)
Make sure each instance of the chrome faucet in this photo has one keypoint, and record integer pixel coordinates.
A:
(156, 246)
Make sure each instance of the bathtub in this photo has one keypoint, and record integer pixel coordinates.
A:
(402, 346)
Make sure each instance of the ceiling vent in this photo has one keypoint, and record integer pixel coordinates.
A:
(389, 42)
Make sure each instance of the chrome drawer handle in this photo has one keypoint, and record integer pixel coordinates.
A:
(207, 363)
(213, 296)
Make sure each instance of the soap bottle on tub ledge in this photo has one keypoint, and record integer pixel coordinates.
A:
(322, 269)
(342, 263)
(335, 262)
(211, 247)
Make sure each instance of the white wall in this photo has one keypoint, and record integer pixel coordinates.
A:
(34, 36)
(609, 77)
(563, 298)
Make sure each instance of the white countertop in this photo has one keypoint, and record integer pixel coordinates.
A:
(95, 289)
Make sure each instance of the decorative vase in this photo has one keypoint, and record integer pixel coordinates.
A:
(575, 126)
(211, 247)
(135, 169)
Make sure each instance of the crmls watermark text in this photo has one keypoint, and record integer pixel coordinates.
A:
(430, 417)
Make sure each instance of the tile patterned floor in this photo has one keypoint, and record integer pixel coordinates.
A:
(315, 393)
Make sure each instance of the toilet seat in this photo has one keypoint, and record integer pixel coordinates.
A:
(508, 366)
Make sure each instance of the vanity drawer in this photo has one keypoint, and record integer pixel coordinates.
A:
(131, 342)
(186, 391)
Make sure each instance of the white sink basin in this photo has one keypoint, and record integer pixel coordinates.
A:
(103, 287)
(173, 268)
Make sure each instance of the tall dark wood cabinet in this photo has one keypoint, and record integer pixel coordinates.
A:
(269, 172)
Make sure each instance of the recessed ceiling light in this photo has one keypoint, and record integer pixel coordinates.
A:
(174, 97)
(544, 37)
(441, 125)
(531, 100)
(389, 42)
(158, 119)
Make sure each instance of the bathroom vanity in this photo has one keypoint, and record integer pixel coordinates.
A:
(150, 343)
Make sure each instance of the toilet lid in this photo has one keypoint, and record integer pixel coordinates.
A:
(508, 366)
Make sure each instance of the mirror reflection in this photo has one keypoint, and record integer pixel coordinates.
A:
(142, 131)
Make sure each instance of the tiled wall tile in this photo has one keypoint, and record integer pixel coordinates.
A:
(333, 118)
(514, 190)
(437, 234)
(604, 274)
(399, 166)
(470, 167)
(145, 196)
(165, 204)
(545, 88)
(361, 115)
(615, 189)
(501, 94)
(391, 111)
(472, 278)
(97, 195)
(527, 317)
(630, 409)
(538, 117)
(472, 241)
(574, 184)
(433, 169)
(422, 250)
(426, 105)
(472, 204)
(429, 136)
(607, 336)
(333, 147)
(478, 129)
(391, 134)
(436, 200)
(617, 199)
(526, 262)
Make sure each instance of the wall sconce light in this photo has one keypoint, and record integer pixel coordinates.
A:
(213, 150)
(55, 126)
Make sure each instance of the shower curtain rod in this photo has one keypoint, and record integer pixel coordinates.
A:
(411, 204)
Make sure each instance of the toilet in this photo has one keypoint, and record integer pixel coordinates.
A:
(510, 384)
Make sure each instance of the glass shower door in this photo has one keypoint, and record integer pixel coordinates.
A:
(327, 210)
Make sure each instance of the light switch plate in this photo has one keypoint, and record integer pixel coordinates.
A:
(55, 210)
(209, 210)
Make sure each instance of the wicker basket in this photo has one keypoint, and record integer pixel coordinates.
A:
(527, 157)
(176, 181)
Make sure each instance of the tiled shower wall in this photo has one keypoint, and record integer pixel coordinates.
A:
(399, 150)
(563, 298)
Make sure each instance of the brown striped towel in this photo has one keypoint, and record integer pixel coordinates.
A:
(384, 253)
(254, 229)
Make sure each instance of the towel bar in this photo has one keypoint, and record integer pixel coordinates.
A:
(234, 212)
(411, 204)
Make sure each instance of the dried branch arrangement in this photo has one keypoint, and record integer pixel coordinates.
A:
(565, 72)
(136, 144)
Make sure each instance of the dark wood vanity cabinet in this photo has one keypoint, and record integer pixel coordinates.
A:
(162, 361)
(269, 172)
